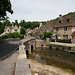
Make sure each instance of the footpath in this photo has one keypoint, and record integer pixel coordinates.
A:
(63, 44)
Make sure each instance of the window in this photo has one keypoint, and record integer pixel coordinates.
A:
(57, 29)
(65, 36)
(60, 22)
(68, 20)
(15, 30)
(8, 30)
(65, 28)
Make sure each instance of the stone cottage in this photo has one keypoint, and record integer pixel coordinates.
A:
(64, 28)
(12, 29)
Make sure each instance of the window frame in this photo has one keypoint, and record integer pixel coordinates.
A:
(65, 28)
(65, 37)
(67, 20)
(57, 29)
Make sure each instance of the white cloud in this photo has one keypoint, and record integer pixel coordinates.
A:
(40, 9)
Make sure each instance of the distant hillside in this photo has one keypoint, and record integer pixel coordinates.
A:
(56, 19)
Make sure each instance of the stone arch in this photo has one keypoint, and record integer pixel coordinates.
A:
(27, 52)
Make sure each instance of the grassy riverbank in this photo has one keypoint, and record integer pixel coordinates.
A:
(56, 58)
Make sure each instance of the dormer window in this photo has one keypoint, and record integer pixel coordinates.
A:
(15, 30)
(68, 20)
(8, 30)
(60, 22)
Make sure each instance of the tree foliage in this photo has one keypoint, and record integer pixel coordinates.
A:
(30, 25)
(47, 34)
(56, 19)
(5, 6)
(22, 31)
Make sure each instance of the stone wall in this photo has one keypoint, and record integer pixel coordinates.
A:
(41, 43)
(61, 32)
(22, 67)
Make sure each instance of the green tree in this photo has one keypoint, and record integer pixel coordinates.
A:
(16, 22)
(47, 34)
(23, 31)
(5, 6)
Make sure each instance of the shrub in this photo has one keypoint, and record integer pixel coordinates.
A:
(57, 48)
(41, 36)
(64, 40)
(12, 35)
(47, 35)
(4, 37)
(73, 48)
(52, 40)
(50, 46)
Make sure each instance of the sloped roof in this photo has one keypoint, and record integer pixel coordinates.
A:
(64, 22)
(8, 27)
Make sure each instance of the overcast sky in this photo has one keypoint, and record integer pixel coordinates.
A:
(40, 10)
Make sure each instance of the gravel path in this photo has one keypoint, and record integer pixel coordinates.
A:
(42, 69)
(7, 65)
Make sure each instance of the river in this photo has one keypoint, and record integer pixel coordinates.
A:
(56, 58)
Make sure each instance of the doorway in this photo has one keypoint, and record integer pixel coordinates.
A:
(31, 48)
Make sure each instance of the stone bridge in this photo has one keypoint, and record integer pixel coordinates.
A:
(27, 45)
(30, 44)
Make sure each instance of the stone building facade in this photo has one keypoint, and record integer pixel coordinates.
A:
(63, 28)
(12, 29)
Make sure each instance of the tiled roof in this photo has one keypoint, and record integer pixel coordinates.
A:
(64, 22)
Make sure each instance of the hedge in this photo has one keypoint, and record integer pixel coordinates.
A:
(64, 40)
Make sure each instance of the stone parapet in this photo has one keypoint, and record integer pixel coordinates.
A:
(22, 67)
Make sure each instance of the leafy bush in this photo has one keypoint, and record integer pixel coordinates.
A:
(73, 48)
(41, 36)
(50, 46)
(64, 40)
(4, 37)
(47, 35)
(52, 40)
(57, 48)
(12, 35)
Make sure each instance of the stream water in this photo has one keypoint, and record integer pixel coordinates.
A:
(56, 58)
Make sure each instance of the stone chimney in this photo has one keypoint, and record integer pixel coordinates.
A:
(40, 24)
(19, 26)
(12, 26)
(60, 17)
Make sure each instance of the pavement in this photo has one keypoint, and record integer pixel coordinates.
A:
(63, 44)
(7, 65)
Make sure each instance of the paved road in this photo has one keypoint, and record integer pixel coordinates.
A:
(7, 48)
